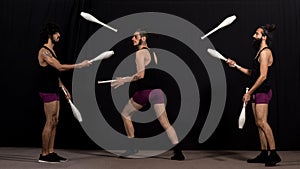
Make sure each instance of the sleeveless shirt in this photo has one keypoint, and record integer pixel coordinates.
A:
(266, 85)
(48, 77)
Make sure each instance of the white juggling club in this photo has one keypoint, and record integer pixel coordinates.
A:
(109, 81)
(106, 81)
(216, 54)
(103, 55)
(75, 111)
(242, 117)
(226, 22)
(91, 18)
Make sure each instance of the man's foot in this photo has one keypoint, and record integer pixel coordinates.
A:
(178, 156)
(47, 159)
(272, 160)
(128, 153)
(258, 159)
(60, 158)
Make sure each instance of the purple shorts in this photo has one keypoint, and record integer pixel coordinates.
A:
(49, 97)
(261, 98)
(144, 97)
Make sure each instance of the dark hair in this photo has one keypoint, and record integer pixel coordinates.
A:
(267, 31)
(143, 33)
(48, 30)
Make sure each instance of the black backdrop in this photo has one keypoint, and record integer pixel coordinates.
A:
(22, 117)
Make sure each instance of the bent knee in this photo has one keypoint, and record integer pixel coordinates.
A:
(261, 124)
(54, 121)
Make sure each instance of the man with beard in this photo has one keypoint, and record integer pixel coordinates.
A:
(260, 93)
(48, 88)
(146, 92)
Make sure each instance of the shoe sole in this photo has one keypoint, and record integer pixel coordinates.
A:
(52, 162)
(273, 164)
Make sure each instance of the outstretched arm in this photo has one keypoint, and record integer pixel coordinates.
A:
(52, 61)
(232, 63)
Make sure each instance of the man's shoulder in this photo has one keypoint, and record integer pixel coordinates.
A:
(142, 52)
(266, 51)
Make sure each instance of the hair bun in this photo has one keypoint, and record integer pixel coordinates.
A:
(270, 27)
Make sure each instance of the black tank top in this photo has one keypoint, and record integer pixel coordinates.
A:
(149, 81)
(266, 85)
(48, 77)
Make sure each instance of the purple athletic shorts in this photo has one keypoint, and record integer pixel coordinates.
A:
(154, 96)
(49, 97)
(261, 98)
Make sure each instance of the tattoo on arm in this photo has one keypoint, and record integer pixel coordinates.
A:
(46, 53)
(135, 77)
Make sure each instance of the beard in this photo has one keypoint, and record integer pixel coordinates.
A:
(54, 41)
(140, 42)
(256, 44)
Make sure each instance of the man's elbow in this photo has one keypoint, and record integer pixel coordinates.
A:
(263, 77)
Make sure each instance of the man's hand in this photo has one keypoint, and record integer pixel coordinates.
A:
(230, 62)
(119, 82)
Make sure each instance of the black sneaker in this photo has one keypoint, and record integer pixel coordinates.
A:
(178, 156)
(258, 159)
(56, 156)
(272, 160)
(47, 159)
(128, 153)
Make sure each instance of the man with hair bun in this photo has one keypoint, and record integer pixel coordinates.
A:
(146, 92)
(260, 93)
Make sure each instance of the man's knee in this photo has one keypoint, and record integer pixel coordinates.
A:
(261, 124)
(54, 121)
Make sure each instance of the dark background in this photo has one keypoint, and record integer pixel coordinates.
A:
(22, 116)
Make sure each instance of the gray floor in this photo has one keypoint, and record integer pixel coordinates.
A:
(26, 158)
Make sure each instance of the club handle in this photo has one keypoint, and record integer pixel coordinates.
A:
(106, 81)
(109, 81)
(210, 32)
(65, 92)
(237, 66)
(247, 89)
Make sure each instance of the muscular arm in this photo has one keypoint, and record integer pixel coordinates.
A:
(140, 67)
(47, 58)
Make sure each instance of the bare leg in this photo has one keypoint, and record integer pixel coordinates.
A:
(263, 156)
(53, 134)
(127, 113)
(51, 116)
(164, 121)
(266, 134)
(266, 137)
(262, 137)
(261, 122)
